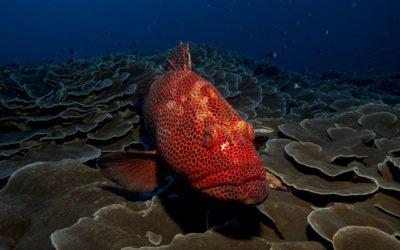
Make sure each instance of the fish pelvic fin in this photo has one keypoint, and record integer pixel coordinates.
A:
(134, 170)
(179, 61)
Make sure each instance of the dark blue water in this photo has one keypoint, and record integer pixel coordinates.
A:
(340, 34)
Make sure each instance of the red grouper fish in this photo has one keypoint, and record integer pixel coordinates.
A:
(198, 136)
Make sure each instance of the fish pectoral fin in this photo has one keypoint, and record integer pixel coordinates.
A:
(134, 170)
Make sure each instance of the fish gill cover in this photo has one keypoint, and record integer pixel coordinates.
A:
(319, 81)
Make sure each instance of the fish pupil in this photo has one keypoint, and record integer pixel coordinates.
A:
(207, 137)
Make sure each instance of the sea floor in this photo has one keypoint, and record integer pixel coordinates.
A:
(331, 137)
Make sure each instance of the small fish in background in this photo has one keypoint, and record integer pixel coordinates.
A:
(72, 52)
(62, 50)
(283, 33)
(242, 29)
(271, 55)
(107, 57)
(250, 35)
(293, 85)
(326, 34)
(98, 33)
(284, 47)
(131, 44)
(319, 52)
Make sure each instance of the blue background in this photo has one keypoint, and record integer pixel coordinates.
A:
(362, 34)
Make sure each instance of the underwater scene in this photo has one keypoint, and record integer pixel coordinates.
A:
(205, 124)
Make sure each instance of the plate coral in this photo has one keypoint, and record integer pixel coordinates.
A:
(331, 139)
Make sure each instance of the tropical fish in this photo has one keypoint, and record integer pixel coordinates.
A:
(271, 55)
(198, 136)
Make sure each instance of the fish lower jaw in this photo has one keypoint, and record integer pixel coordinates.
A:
(251, 192)
(201, 184)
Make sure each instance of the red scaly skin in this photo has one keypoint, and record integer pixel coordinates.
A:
(203, 139)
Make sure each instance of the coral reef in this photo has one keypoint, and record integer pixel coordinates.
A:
(332, 139)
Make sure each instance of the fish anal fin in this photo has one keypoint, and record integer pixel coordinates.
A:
(134, 170)
(179, 60)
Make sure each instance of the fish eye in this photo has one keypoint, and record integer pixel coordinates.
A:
(208, 136)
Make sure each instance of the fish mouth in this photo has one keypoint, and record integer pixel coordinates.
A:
(252, 191)
(243, 183)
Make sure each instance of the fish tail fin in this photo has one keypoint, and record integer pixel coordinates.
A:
(179, 61)
(134, 169)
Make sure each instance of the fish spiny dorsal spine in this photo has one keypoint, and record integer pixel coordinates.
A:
(180, 61)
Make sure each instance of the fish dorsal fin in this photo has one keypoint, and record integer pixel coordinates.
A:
(179, 61)
(134, 169)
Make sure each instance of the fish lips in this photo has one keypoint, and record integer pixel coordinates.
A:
(251, 192)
